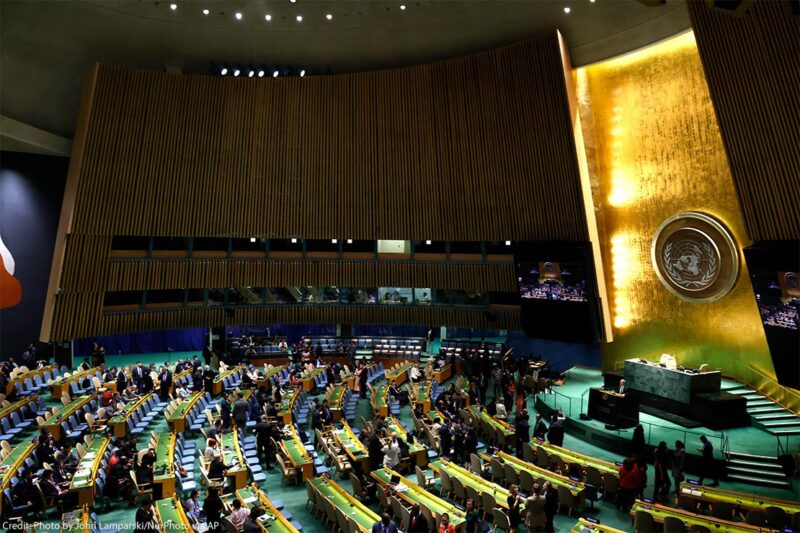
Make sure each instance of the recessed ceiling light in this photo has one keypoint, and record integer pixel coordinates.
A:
(260, 73)
(275, 74)
(267, 17)
(206, 12)
(402, 7)
(173, 6)
(329, 16)
(299, 18)
(294, 240)
(334, 241)
(238, 15)
(349, 241)
(252, 239)
(427, 242)
(224, 71)
(592, 1)
(251, 73)
(508, 243)
(302, 73)
(236, 72)
(567, 10)
(292, 1)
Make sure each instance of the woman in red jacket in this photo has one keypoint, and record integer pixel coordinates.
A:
(628, 485)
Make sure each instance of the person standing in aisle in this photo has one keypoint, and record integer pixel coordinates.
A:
(707, 468)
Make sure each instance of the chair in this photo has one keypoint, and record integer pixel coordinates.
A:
(459, 490)
(397, 508)
(422, 480)
(446, 486)
(699, 528)
(723, 510)
(511, 476)
(610, 486)
(287, 473)
(642, 522)
(776, 517)
(488, 503)
(143, 491)
(565, 498)
(673, 524)
(500, 520)
(498, 472)
(756, 517)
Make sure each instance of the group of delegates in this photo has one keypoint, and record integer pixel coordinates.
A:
(384, 447)
(210, 513)
(53, 482)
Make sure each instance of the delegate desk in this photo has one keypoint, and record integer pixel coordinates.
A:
(468, 479)
(444, 374)
(77, 520)
(16, 406)
(353, 509)
(177, 419)
(53, 424)
(399, 374)
(674, 384)
(424, 395)
(583, 525)
(287, 403)
(61, 385)
(659, 512)
(417, 450)
(218, 386)
(170, 514)
(380, 403)
(335, 397)
(621, 410)
(496, 424)
(353, 447)
(271, 373)
(296, 451)
(9, 466)
(119, 422)
(308, 379)
(414, 494)
(28, 375)
(232, 457)
(163, 469)
(271, 521)
(570, 456)
(740, 500)
(83, 481)
(576, 488)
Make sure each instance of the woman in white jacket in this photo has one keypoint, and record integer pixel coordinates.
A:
(391, 452)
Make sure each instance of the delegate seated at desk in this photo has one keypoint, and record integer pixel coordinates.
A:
(621, 389)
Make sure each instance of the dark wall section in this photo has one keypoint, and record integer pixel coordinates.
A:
(31, 190)
(561, 355)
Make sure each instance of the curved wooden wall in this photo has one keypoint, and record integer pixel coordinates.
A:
(752, 66)
(478, 148)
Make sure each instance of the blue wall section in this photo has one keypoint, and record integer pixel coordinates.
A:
(562, 355)
(176, 340)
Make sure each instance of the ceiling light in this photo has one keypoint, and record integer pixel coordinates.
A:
(299, 18)
(260, 73)
(238, 15)
(267, 17)
(349, 241)
(252, 239)
(275, 74)
(206, 12)
(334, 241)
(592, 1)
(236, 72)
(294, 240)
(567, 10)
(224, 71)
(173, 6)
(329, 16)
(292, 1)
(251, 73)
(427, 242)
(402, 7)
(508, 243)
(302, 73)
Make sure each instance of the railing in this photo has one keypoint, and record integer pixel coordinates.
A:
(573, 407)
(789, 446)
(783, 396)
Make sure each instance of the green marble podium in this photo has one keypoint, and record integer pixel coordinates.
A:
(676, 385)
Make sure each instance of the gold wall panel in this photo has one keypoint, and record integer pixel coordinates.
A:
(655, 150)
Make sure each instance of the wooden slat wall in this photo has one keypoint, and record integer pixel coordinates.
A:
(474, 148)
(752, 65)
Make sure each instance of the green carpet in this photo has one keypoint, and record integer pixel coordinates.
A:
(294, 498)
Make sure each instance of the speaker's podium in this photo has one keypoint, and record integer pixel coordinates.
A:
(620, 410)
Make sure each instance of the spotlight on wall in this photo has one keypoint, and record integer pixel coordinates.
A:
(275, 73)
(299, 18)
(302, 73)
(173, 6)
(567, 10)
(349, 241)
(238, 15)
(251, 73)
(334, 241)
(236, 71)
(261, 73)
(294, 240)
(206, 12)
(329, 16)
(508, 243)
(223, 71)
(427, 242)
(252, 239)
(267, 17)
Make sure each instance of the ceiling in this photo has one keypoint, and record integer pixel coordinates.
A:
(47, 47)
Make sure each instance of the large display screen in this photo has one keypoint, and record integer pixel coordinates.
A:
(552, 280)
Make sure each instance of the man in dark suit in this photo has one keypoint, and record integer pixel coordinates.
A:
(122, 380)
(540, 428)
(145, 520)
(384, 525)
(165, 383)
(263, 444)
(138, 376)
(325, 414)
(522, 428)
(556, 433)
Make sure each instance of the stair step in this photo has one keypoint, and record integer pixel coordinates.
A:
(756, 472)
(782, 424)
(759, 403)
(786, 432)
(754, 465)
(777, 416)
(764, 410)
(753, 457)
(758, 480)
(754, 396)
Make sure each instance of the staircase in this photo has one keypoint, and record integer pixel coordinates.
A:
(756, 469)
(766, 414)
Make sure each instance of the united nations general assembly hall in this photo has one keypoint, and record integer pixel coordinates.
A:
(400, 266)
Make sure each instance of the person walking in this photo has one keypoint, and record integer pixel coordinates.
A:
(678, 459)
(707, 468)
(535, 518)
(661, 465)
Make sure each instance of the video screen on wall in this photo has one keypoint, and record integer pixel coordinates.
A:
(778, 296)
(557, 291)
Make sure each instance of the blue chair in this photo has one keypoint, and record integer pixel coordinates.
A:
(20, 390)
(19, 423)
(68, 432)
(15, 510)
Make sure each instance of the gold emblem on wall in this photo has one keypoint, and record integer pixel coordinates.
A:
(695, 257)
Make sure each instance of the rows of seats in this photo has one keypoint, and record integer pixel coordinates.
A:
(141, 417)
(233, 381)
(75, 425)
(462, 348)
(95, 382)
(21, 418)
(374, 372)
(29, 386)
(330, 344)
(196, 415)
(301, 407)
(32, 463)
(348, 402)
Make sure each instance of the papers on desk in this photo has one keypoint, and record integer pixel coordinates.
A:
(90, 455)
(82, 473)
(400, 487)
(691, 492)
(251, 499)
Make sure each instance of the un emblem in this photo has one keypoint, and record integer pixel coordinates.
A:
(695, 257)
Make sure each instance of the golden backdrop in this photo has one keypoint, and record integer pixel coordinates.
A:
(654, 150)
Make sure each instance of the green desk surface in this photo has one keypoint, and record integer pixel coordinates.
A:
(313, 373)
(14, 407)
(294, 447)
(173, 518)
(471, 480)
(583, 525)
(87, 468)
(184, 406)
(165, 451)
(335, 398)
(393, 426)
(424, 392)
(399, 370)
(128, 409)
(272, 521)
(659, 512)
(231, 455)
(354, 447)
(381, 392)
(495, 423)
(13, 461)
(69, 409)
(419, 495)
(77, 520)
(569, 456)
(741, 499)
(229, 372)
(287, 402)
(575, 487)
(76, 376)
(343, 500)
